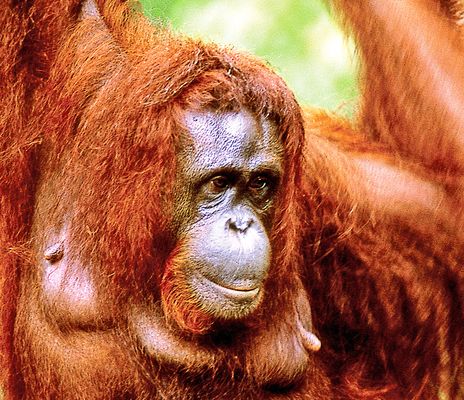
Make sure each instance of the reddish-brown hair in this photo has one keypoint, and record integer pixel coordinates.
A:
(144, 77)
(93, 112)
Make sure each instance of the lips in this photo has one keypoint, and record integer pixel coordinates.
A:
(235, 292)
(230, 300)
(240, 290)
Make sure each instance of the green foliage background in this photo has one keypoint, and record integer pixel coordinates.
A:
(298, 38)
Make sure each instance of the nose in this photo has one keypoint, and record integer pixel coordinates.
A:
(239, 223)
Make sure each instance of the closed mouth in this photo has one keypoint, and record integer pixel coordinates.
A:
(235, 292)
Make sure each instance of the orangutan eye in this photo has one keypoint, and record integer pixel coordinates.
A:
(259, 183)
(218, 184)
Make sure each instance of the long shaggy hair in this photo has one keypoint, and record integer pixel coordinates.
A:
(91, 122)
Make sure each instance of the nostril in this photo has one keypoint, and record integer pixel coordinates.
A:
(239, 224)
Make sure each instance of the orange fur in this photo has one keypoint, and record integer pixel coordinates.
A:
(178, 301)
(367, 232)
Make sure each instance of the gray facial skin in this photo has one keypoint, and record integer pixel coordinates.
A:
(230, 166)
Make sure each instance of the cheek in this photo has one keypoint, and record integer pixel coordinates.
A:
(216, 273)
(230, 258)
(178, 300)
